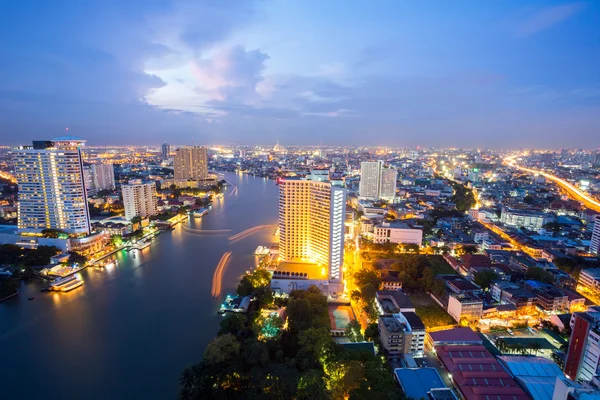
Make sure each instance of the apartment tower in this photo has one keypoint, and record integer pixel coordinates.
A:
(139, 199)
(191, 163)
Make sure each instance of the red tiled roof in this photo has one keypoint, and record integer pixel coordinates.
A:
(478, 375)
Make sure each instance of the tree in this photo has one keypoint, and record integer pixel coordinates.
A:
(553, 226)
(412, 248)
(353, 332)
(222, 348)
(485, 278)
(232, 324)
(427, 279)
(439, 287)
(76, 258)
(372, 333)
(539, 274)
(528, 199)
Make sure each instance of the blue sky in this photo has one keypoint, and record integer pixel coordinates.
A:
(404, 73)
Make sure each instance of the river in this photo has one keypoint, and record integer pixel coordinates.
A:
(131, 330)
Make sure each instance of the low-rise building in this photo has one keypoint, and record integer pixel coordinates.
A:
(590, 279)
(465, 305)
(390, 302)
(397, 232)
(402, 334)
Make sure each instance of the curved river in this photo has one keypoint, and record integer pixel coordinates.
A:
(129, 331)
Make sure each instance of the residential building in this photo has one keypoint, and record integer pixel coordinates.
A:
(139, 199)
(402, 334)
(589, 279)
(552, 300)
(583, 355)
(397, 232)
(103, 176)
(88, 182)
(165, 151)
(377, 181)
(595, 242)
(390, 302)
(311, 224)
(465, 305)
(51, 186)
(191, 163)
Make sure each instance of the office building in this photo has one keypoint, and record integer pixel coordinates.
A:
(165, 151)
(534, 220)
(397, 232)
(311, 224)
(51, 187)
(583, 355)
(376, 181)
(191, 163)
(139, 199)
(595, 243)
(103, 177)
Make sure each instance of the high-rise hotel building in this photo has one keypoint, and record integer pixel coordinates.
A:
(377, 181)
(311, 224)
(51, 186)
(191, 163)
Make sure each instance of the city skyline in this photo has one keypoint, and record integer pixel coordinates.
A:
(503, 75)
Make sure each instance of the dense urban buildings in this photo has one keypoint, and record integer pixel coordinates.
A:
(377, 181)
(51, 186)
(139, 199)
(191, 163)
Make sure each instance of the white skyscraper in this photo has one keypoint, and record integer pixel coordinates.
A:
(311, 223)
(103, 176)
(376, 181)
(370, 179)
(139, 199)
(51, 187)
(90, 189)
(595, 243)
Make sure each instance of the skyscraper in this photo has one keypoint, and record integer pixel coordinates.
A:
(165, 150)
(88, 183)
(377, 181)
(595, 243)
(191, 163)
(51, 186)
(139, 199)
(370, 179)
(103, 176)
(583, 356)
(311, 223)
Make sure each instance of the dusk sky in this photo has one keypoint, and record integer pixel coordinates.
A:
(478, 73)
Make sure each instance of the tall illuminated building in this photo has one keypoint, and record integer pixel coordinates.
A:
(139, 199)
(191, 163)
(51, 186)
(311, 224)
(595, 243)
(377, 181)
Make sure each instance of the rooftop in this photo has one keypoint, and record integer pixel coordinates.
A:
(417, 382)
(455, 336)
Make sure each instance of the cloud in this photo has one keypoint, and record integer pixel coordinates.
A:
(547, 18)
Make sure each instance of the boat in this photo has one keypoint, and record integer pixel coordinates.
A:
(66, 284)
(199, 213)
(31, 298)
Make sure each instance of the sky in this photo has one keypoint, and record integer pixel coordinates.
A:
(492, 74)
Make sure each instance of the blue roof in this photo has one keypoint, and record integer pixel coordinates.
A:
(416, 382)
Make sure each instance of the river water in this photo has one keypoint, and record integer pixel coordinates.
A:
(129, 331)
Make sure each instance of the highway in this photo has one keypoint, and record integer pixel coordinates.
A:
(568, 187)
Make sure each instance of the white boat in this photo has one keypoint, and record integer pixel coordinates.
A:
(66, 284)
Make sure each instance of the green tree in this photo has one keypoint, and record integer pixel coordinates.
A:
(372, 333)
(539, 274)
(221, 349)
(76, 258)
(232, 324)
(353, 332)
(485, 278)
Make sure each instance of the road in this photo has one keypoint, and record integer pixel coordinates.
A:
(575, 193)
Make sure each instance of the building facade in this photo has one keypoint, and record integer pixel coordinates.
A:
(165, 151)
(139, 199)
(583, 355)
(103, 177)
(51, 187)
(389, 175)
(595, 243)
(191, 162)
(397, 232)
(529, 219)
(311, 223)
